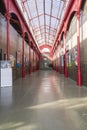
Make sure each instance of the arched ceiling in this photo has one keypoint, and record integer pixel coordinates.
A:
(45, 50)
(45, 47)
(43, 18)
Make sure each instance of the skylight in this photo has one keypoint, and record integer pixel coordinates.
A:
(43, 18)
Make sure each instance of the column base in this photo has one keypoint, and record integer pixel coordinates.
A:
(66, 73)
(23, 73)
(79, 78)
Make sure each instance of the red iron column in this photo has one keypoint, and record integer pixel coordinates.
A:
(8, 37)
(33, 60)
(66, 69)
(60, 66)
(29, 59)
(23, 72)
(8, 31)
(79, 73)
(56, 64)
(52, 65)
(36, 62)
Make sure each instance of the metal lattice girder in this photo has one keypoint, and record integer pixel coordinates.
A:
(43, 15)
(43, 18)
(45, 33)
(42, 27)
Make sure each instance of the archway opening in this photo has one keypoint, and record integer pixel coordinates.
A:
(2, 7)
(16, 23)
(45, 50)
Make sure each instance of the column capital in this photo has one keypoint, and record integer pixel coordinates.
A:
(22, 34)
(8, 16)
(65, 34)
(78, 13)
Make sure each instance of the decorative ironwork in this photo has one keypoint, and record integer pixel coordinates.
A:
(43, 18)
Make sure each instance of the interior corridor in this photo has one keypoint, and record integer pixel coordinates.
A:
(44, 100)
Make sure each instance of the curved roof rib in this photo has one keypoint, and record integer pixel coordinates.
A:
(43, 18)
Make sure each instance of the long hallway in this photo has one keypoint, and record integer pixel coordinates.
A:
(45, 100)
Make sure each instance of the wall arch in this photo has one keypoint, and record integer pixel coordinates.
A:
(15, 22)
(45, 46)
(2, 7)
(26, 37)
(71, 15)
(61, 35)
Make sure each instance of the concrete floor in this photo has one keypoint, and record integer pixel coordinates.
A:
(43, 101)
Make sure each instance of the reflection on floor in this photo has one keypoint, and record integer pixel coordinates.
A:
(44, 100)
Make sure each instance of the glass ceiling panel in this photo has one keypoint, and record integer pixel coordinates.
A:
(32, 7)
(56, 5)
(53, 21)
(40, 6)
(47, 20)
(56, 24)
(32, 23)
(37, 33)
(47, 6)
(39, 38)
(61, 8)
(35, 21)
(42, 30)
(47, 29)
(43, 18)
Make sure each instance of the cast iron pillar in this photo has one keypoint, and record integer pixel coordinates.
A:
(60, 65)
(79, 73)
(29, 61)
(66, 69)
(8, 37)
(33, 60)
(23, 71)
(36, 63)
(54, 65)
(8, 31)
(57, 64)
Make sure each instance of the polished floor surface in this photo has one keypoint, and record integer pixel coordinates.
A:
(45, 100)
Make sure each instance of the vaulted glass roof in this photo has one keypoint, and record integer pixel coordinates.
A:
(43, 18)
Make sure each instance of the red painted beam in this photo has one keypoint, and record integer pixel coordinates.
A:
(45, 26)
(52, 16)
(46, 46)
(36, 17)
(45, 33)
